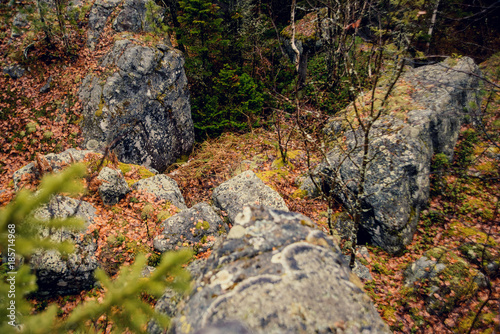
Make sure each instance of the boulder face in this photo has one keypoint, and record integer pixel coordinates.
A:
(57, 274)
(401, 148)
(113, 187)
(140, 106)
(98, 17)
(163, 187)
(131, 15)
(245, 189)
(275, 273)
(197, 227)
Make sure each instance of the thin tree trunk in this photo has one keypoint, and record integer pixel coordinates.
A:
(294, 47)
(431, 27)
(45, 27)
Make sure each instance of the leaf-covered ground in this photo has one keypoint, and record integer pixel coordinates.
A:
(464, 206)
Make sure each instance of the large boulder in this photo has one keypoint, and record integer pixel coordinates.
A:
(275, 273)
(130, 15)
(245, 189)
(423, 117)
(59, 274)
(139, 105)
(99, 14)
(198, 227)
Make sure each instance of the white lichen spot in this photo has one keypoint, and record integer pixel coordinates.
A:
(223, 278)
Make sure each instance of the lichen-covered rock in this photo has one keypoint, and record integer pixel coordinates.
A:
(402, 142)
(134, 16)
(197, 228)
(449, 278)
(98, 17)
(483, 255)
(131, 15)
(163, 187)
(245, 189)
(168, 302)
(61, 275)
(113, 187)
(56, 162)
(274, 273)
(14, 71)
(141, 104)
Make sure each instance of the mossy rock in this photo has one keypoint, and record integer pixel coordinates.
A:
(451, 280)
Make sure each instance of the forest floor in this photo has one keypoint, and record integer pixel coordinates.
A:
(34, 123)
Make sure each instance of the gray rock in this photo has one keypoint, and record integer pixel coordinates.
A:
(14, 71)
(401, 148)
(423, 268)
(279, 276)
(114, 187)
(163, 187)
(225, 327)
(141, 105)
(19, 24)
(133, 16)
(245, 189)
(481, 255)
(359, 269)
(59, 274)
(168, 302)
(98, 17)
(56, 161)
(447, 276)
(47, 85)
(197, 227)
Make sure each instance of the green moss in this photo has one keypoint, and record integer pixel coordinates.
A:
(266, 176)
(458, 229)
(203, 225)
(147, 211)
(31, 127)
(388, 312)
(163, 215)
(98, 112)
(47, 135)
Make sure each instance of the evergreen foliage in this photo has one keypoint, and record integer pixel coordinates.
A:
(19, 236)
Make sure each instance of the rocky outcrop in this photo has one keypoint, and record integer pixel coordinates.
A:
(129, 15)
(69, 274)
(134, 16)
(197, 228)
(113, 187)
(449, 279)
(99, 14)
(275, 273)
(424, 120)
(139, 106)
(164, 188)
(245, 189)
